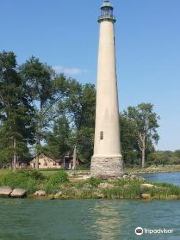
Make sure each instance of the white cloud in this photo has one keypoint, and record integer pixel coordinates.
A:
(68, 71)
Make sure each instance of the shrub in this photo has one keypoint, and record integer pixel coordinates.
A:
(50, 188)
(33, 174)
(58, 178)
(18, 180)
(94, 182)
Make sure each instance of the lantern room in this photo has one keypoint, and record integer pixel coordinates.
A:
(106, 12)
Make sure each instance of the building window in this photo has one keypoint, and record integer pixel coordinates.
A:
(101, 135)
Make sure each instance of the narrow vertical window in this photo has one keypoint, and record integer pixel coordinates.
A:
(101, 135)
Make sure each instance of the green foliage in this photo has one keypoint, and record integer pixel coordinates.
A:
(164, 158)
(85, 144)
(94, 182)
(58, 178)
(39, 79)
(142, 124)
(58, 140)
(50, 188)
(58, 181)
(74, 120)
(55, 180)
(164, 191)
(16, 112)
(33, 174)
(39, 106)
(19, 180)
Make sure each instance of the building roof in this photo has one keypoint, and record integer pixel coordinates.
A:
(106, 4)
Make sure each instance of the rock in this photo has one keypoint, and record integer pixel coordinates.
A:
(147, 185)
(134, 177)
(58, 195)
(5, 191)
(87, 186)
(50, 197)
(18, 192)
(106, 167)
(126, 186)
(40, 193)
(126, 177)
(125, 174)
(105, 186)
(79, 178)
(146, 196)
(86, 177)
(98, 195)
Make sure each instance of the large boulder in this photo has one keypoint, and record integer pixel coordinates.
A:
(5, 191)
(40, 193)
(18, 192)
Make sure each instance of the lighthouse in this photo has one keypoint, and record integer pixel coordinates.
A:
(107, 160)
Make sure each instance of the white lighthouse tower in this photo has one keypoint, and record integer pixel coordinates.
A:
(107, 160)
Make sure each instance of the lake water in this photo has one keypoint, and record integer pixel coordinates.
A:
(163, 177)
(87, 219)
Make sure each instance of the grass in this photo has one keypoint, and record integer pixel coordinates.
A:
(57, 181)
(33, 180)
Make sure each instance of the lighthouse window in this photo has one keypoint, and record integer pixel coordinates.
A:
(106, 11)
(101, 135)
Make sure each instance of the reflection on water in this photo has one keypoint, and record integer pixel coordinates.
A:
(22, 219)
(87, 220)
(110, 217)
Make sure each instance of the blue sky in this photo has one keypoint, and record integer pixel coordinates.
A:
(64, 34)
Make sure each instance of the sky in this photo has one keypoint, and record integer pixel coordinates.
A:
(64, 34)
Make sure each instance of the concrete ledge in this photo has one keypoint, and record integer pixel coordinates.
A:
(106, 167)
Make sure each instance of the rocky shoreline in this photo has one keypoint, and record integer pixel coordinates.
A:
(171, 169)
(82, 186)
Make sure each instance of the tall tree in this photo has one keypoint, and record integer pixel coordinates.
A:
(40, 80)
(145, 125)
(129, 146)
(77, 103)
(16, 125)
(58, 140)
(82, 109)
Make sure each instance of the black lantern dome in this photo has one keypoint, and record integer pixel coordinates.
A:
(106, 12)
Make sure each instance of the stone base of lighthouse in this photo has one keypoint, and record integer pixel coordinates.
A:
(106, 167)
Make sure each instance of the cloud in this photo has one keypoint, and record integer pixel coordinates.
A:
(68, 71)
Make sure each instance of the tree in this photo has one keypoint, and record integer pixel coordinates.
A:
(77, 103)
(81, 104)
(58, 143)
(129, 145)
(145, 122)
(16, 125)
(40, 80)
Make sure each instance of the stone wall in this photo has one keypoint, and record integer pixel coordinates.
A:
(106, 167)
